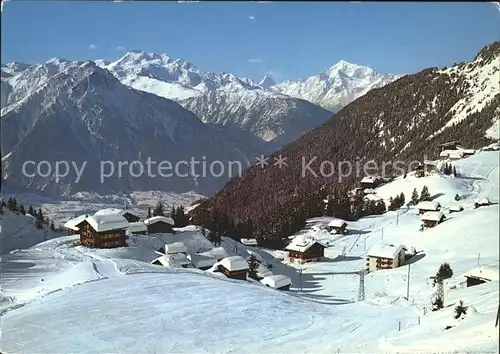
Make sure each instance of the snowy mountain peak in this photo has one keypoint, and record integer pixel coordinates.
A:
(267, 81)
(350, 70)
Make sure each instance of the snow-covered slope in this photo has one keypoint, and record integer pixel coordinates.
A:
(207, 313)
(78, 112)
(336, 87)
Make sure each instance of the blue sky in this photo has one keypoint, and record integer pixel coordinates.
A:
(290, 40)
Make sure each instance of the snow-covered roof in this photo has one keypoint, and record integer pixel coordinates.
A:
(201, 261)
(452, 154)
(249, 241)
(217, 252)
(263, 271)
(71, 224)
(138, 226)
(276, 281)
(487, 272)
(456, 207)
(370, 179)
(108, 211)
(172, 260)
(302, 243)
(385, 250)
(483, 200)
(428, 205)
(432, 216)
(372, 197)
(369, 191)
(175, 247)
(234, 263)
(337, 223)
(156, 219)
(107, 222)
(468, 151)
(431, 162)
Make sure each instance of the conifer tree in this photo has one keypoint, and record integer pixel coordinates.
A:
(460, 310)
(31, 211)
(40, 216)
(159, 210)
(149, 213)
(1, 208)
(22, 210)
(457, 197)
(425, 195)
(414, 197)
(253, 266)
(52, 226)
(444, 272)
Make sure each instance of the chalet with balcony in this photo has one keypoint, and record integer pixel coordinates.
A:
(482, 274)
(127, 214)
(305, 249)
(426, 206)
(103, 231)
(432, 219)
(234, 267)
(385, 256)
(160, 225)
(337, 226)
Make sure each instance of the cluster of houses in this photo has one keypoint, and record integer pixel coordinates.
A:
(109, 228)
(217, 260)
(450, 151)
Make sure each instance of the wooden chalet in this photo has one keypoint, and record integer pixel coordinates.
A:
(419, 170)
(426, 206)
(385, 256)
(369, 182)
(159, 225)
(451, 145)
(70, 225)
(103, 231)
(337, 226)
(127, 214)
(305, 249)
(234, 267)
(432, 219)
(468, 152)
(278, 282)
(451, 155)
(482, 274)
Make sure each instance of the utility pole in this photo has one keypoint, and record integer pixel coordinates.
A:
(397, 217)
(300, 279)
(365, 243)
(498, 316)
(382, 233)
(408, 284)
(478, 256)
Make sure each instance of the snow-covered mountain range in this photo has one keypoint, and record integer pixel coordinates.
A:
(78, 112)
(336, 87)
(123, 110)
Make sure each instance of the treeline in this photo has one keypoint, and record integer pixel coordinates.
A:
(14, 206)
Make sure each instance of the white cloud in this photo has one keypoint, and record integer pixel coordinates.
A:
(93, 46)
(497, 5)
(252, 18)
(256, 60)
(121, 48)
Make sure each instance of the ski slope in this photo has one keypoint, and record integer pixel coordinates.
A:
(58, 298)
